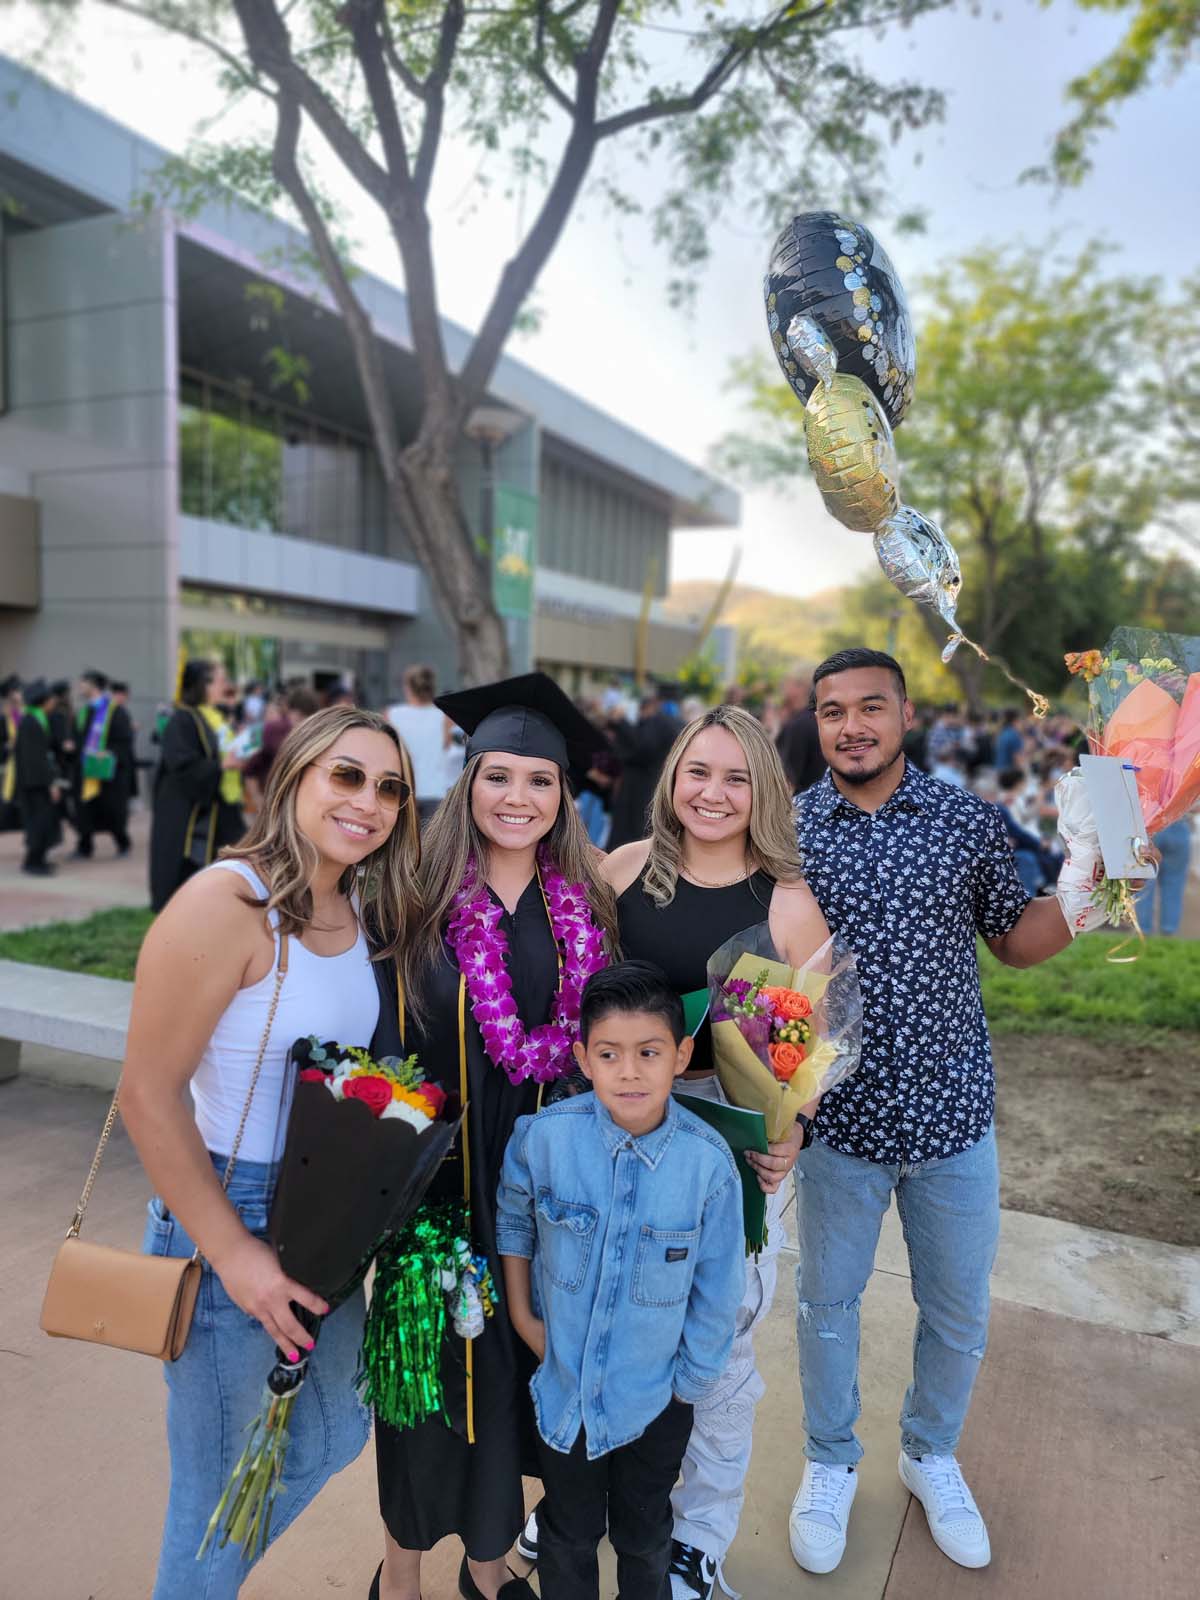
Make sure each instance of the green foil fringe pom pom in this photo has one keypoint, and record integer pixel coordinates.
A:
(400, 1375)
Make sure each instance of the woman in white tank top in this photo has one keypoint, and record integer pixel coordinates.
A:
(338, 814)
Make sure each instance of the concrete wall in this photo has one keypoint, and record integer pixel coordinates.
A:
(91, 335)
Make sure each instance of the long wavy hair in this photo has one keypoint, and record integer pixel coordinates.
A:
(453, 842)
(287, 860)
(771, 840)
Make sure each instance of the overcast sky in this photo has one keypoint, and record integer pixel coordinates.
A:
(608, 332)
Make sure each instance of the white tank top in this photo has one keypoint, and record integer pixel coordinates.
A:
(421, 728)
(331, 997)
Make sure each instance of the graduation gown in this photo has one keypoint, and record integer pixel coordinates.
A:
(108, 812)
(432, 1480)
(642, 749)
(191, 822)
(35, 773)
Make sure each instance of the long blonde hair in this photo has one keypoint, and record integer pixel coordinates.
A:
(771, 840)
(286, 860)
(453, 842)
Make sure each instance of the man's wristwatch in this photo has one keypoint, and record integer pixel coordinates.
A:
(807, 1124)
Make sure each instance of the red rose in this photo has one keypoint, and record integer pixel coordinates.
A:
(375, 1093)
(435, 1096)
(312, 1075)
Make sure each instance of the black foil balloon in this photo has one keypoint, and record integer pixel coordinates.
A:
(836, 272)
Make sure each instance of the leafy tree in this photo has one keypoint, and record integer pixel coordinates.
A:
(1162, 36)
(746, 99)
(1043, 440)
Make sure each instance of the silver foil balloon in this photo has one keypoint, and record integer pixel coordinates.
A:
(922, 563)
(812, 349)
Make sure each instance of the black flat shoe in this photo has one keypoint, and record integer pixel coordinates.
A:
(514, 1589)
(373, 1591)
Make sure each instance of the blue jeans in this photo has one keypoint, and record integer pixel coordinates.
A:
(215, 1388)
(1168, 887)
(950, 1212)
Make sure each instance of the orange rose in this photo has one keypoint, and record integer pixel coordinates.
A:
(791, 1005)
(785, 1059)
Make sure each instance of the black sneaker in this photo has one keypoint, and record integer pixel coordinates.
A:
(691, 1572)
(527, 1539)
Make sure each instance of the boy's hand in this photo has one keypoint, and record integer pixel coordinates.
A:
(534, 1334)
(779, 1160)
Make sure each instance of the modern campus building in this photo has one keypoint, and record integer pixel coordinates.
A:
(158, 490)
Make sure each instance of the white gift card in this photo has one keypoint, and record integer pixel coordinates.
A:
(1112, 790)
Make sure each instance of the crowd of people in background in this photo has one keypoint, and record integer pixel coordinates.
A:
(68, 762)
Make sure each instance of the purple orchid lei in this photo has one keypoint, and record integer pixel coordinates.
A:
(481, 949)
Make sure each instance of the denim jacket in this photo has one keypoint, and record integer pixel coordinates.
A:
(639, 1268)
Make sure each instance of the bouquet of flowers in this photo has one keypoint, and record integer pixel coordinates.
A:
(782, 1036)
(364, 1140)
(1144, 708)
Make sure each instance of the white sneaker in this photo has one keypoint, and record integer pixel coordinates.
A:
(820, 1511)
(954, 1521)
(527, 1539)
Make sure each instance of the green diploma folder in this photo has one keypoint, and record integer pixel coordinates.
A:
(741, 1131)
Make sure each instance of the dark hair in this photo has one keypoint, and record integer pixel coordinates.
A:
(630, 986)
(421, 680)
(92, 676)
(119, 688)
(849, 661)
(1010, 778)
(197, 675)
(303, 700)
(1010, 715)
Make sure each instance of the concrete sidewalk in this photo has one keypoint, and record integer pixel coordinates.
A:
(1081, 1445)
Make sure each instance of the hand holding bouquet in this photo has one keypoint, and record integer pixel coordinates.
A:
(364, 1140)
(782, 1036)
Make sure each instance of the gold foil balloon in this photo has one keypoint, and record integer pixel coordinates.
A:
(851, 453)
(919, 559)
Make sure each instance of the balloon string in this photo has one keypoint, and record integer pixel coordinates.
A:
(1039, 702)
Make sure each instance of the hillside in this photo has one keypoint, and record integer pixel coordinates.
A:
(777, 629)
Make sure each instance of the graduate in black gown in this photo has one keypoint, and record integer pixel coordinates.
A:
(511, 822)
(38, 781)
(103, 754)
(192, 821)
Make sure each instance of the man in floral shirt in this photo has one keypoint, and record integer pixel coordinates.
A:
(907, 871)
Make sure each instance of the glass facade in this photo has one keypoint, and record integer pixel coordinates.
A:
(254, 463)
(593, 528)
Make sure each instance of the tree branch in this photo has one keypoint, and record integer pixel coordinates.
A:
(434, 94)
(362, 336)
(177, 22)
(541, 71)
(362, 18)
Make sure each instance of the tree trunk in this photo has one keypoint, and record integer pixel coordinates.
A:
(425, 494)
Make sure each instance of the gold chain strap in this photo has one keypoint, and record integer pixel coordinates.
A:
(110, 1119)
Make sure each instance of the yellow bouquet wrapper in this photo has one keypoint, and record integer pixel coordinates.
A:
(832, 1054)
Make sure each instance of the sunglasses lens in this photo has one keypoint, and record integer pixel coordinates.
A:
(393, 792)
(347, 780)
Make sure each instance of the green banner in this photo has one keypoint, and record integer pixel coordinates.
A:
(514, 551)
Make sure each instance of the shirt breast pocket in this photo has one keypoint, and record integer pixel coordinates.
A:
(566, 1231)
(663, 1267)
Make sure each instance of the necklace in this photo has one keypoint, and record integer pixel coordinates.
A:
(703, 883)
(481, 949)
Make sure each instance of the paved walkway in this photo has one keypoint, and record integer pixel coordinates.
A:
(1081, 1445)
(79, 887)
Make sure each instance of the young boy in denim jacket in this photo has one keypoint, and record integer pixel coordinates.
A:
(623, 1212)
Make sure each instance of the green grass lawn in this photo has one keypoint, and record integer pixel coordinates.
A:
(105, 945)
(1080, 992)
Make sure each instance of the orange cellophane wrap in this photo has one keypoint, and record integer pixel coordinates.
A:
(1145, 707)
(830, 981)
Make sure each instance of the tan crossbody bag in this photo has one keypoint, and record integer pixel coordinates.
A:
(121, 1297)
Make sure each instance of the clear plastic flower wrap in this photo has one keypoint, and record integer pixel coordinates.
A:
(782, 1035)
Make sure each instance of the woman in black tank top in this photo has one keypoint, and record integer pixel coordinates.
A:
(721, 859)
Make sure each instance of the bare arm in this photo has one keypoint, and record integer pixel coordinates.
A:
(196, 956)
(520, 1304)
(1040, 932)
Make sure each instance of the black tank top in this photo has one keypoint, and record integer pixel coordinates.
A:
(681, 936)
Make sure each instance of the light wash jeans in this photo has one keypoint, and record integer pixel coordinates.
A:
(214, 1390)
(950, 1213)
(1169, 886)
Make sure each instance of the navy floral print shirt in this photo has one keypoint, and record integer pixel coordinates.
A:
(908, 887)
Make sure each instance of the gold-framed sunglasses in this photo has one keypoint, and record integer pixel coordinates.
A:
(347, 779)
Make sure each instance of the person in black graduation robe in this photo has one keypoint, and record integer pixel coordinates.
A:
(191, 822)
(107, 811)
(642, 748)
(38, 782)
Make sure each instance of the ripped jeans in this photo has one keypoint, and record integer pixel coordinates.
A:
(950, 1213)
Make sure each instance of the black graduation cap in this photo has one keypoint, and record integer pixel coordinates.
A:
(525, 716)
(37, 692)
